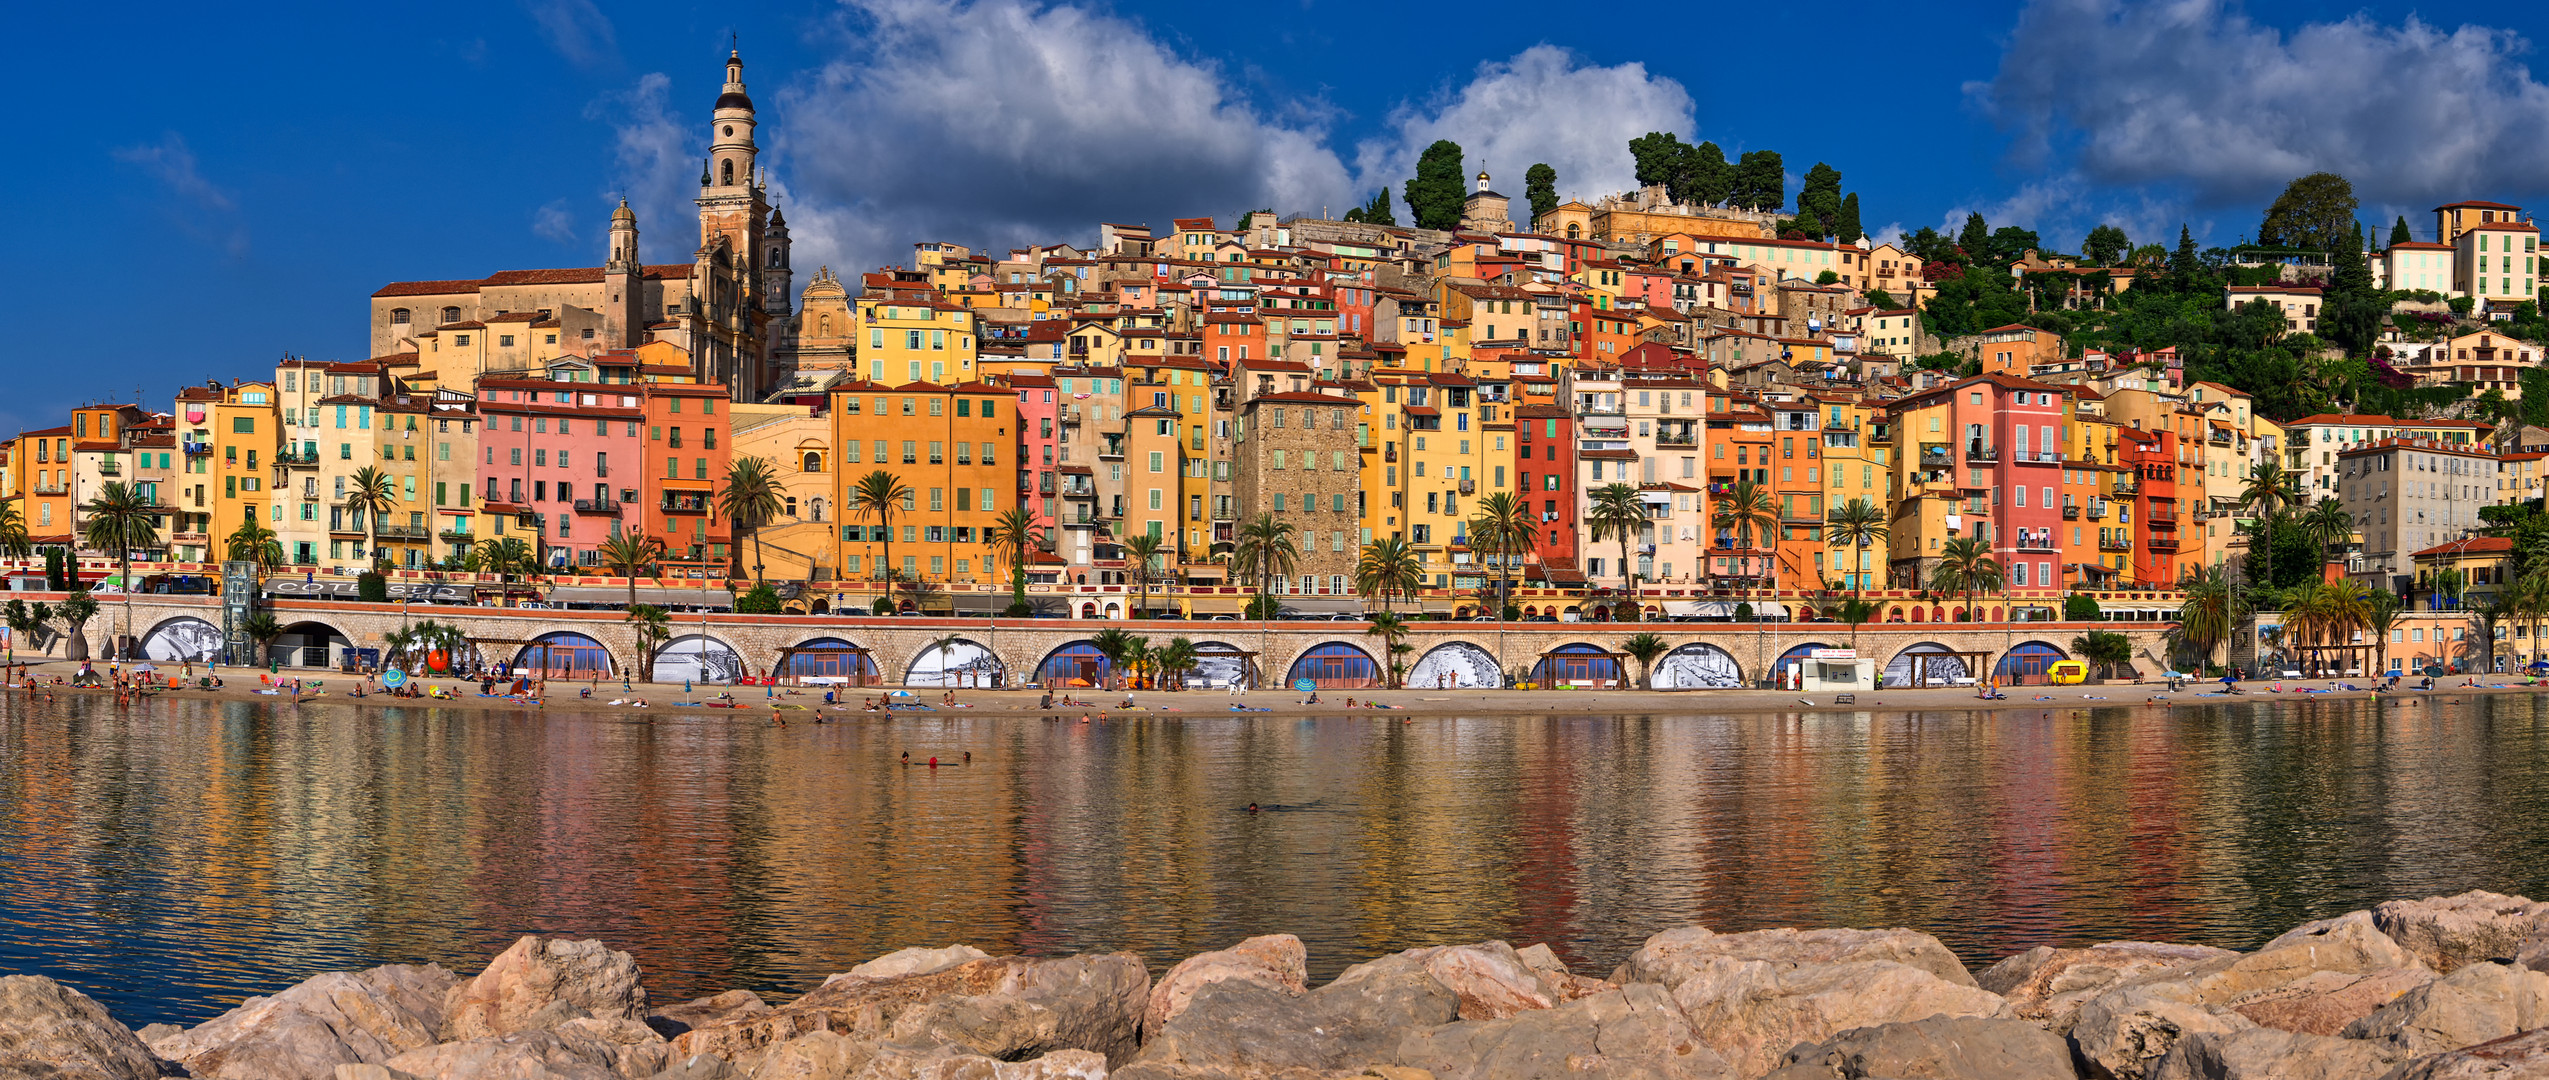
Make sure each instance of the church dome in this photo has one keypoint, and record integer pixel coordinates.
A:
(732, 99)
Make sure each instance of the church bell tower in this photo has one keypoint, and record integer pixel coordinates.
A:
(728, 343)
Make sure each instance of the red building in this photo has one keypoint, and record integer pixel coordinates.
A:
(1544, 475)
(685, 465)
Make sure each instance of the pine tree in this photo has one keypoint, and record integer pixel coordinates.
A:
(1376, 212)
(2399, 234)
(1975, 238)
(1540, 186)
(2182, 266)
(1761, 181)
(1819, 201)
(1435, 194)
(1849, 231)
(1658, 155)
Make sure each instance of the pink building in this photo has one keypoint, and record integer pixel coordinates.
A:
(559, 464)
(1038, 420)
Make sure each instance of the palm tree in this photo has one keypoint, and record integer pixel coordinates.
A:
(2380, 613)
(1858, 525)
(371, 493)
(879, 493)
(1175, 659)
(1115, 644)
(2327, 524)
(2449, 583)
(2528, 602)
(253, 542)
(2271, 490)
(119, 520)
(653, 627)
(628, 555)
(1265, 551)
(750, 500)
(1965, 566)
(1013, 537)
(507, 555)
(1616, 511)
(2209, 611)
(2103, 648)
(1645, 648)
(1392, 630)
(1502, 523)
(13, 532)
(1138, 658)
(263, 629)
(1140, 552)
(1746, 506)
(1389, 567)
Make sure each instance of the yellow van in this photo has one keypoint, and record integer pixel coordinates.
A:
(2067, 672)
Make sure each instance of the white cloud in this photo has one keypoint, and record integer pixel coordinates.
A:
(2196, 95)
(1543, 105)
(655, 164)
(553, 221)
(577, 29)
(215, 215)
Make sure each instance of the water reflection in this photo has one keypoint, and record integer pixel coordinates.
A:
(178, 858)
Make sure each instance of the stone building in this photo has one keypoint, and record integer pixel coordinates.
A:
(2409, 494)
(1295, 460)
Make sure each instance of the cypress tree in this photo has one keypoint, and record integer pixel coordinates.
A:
(1435, 194)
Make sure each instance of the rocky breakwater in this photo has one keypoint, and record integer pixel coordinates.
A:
(2435, 989)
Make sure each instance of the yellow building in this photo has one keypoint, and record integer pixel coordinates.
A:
(228, 437)
(907, 341)
(953, 447)
(802, 543)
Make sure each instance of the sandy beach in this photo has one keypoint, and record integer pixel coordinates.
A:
(801, 704)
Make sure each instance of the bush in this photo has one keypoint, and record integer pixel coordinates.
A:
(2079, 608)
(2462, 304)
(1265, 607)
(762, 600)
(1019, 609)
(884, 605)
(371, 588)
(1743, 611)
(56, 577)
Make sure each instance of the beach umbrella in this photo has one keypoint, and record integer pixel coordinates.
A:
(901, 693)
(144, 667)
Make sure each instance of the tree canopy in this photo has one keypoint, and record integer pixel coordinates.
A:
(1435, 194)
(1376, 212)
(2314, 213)
(2106, 246)
(1540, 186)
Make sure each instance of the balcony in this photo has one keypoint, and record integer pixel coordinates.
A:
(1469, 487)
(1980, 452)
(601, 470)
(2163, 541)
(1936, 456)
(183, 536)
(110, 468)
(2220, 437)
(1675, 439)
(2127, 486)
(2070, 512)
(2097, 509)
(2034, 541)
(2115, 543)
(1880, 434)
(597, 506)
(403, 532)
(679, 502)
(2162, 515)
(198, 449)
(303, 459)
(457, 536)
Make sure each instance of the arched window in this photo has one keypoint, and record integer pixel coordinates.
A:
(816, 504)
(813, 461)
(398, 316)
(451, 315)
(726, 172)
(1573, 232)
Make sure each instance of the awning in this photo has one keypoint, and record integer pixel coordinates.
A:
(346, 590)
(714, 596)
(1659, 498)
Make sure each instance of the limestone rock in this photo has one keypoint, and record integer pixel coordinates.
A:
(2534, 954)
(897, 1061)
(1963, 1048)
(523, 1055)
(1488, 980)
(2478, 1003)
(1275, 960)
(1633, 1031)
(671, 1020)
(1567, 985)
(2048, 985)
(915, 962)
(541, 983)
(2518, 1057)
(698, 1067)
(2348, 942)
(1666, 956)
(1752, 1012)
(1242, 1028)
(2268, 1054)
(816, 1055)
(2324, 1002)
(50, 1030)
(1092, 1003)
(2448, 933)
(2122, 1033)
(371, 1072)
(632, 1049)
(305, 1032)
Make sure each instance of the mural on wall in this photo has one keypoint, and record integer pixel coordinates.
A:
(1935, 670)
(954, 663)
(1216, 672)
(1698, 666)
(1457, 665)
(684, 659)
(182, 639)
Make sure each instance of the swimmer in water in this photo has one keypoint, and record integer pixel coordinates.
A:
(1252, 808)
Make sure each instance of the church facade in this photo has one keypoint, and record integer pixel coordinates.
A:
(728, 306)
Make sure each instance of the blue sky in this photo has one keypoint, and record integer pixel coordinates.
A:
(209, 189)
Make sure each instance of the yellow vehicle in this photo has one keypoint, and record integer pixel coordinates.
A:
(2067, 672)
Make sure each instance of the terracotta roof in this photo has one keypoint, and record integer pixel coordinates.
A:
(2476, 545)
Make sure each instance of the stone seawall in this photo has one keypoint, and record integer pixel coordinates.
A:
(2431, 989)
